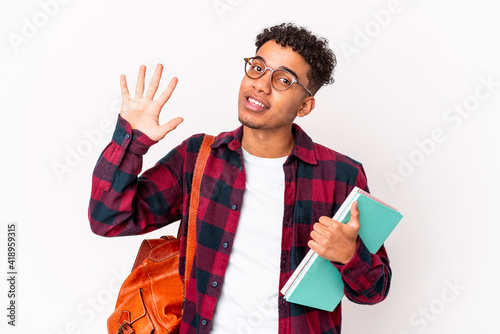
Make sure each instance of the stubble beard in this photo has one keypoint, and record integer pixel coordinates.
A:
(249, 124)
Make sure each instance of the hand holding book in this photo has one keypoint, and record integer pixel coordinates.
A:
(316, 282)
(334, 240)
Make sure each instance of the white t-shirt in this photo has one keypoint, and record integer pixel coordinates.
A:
(249, 297)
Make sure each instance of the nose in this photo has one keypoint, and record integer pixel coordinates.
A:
(263, 84)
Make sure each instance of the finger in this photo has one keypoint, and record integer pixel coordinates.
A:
(316, 247)
(326, 221)
(170, 125)
(139, 88)
(354, 221)
(354, 209)
(124, 88)
(318, 238)
(165, 96)
(155, 82)
(312, 244)
(319, 228)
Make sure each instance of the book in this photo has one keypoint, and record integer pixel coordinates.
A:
(316, 282)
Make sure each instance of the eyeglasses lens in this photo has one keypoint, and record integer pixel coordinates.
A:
(280, 79)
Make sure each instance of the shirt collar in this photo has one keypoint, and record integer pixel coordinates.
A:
(303, 147)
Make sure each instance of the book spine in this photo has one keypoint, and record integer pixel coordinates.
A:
(302, 273)
(297, 271)
(305, 263)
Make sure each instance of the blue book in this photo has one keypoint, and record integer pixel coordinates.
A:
(317, 282)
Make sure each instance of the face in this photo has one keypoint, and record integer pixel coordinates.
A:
(260, 106)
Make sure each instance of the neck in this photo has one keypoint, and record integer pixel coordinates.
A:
(268, 144)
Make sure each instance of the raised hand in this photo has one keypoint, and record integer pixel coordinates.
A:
(336, 241)
(143, 112)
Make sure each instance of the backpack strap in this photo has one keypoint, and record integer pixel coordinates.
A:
(193, 206)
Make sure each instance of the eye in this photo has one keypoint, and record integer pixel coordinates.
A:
(282, 79)
(257, 68)
(285, 81)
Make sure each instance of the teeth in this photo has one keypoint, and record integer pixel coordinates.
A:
(253, 101)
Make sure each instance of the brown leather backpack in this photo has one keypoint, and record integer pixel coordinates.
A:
(151, 298)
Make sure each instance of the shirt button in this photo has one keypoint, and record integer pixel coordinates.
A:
(283, 302)
(241, 168)
(127, 136)
(204, 322)
(214, 284)
(347, 271)
(225, 245)
(234, 206)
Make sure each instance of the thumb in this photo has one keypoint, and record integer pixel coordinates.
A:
(170, 125)
(354, 221)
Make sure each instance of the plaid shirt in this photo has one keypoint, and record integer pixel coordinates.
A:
(317, 180)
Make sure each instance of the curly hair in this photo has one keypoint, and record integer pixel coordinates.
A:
(313, 49)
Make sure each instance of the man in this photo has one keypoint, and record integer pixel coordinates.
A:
(266, 196)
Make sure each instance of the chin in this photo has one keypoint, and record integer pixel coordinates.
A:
(249, 124)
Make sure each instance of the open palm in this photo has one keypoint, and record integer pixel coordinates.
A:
(143, 112)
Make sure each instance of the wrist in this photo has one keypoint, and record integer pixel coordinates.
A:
(350, 252)
(133, 140)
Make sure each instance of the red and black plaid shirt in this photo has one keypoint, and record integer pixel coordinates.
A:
(317, 180)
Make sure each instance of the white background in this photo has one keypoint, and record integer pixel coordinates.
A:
(399, 76)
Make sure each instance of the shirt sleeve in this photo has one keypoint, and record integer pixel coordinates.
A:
(366, 277)
(121, 202)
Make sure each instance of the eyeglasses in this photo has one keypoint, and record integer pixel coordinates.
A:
(281, 79)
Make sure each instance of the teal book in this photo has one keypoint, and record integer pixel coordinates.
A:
(317, 282)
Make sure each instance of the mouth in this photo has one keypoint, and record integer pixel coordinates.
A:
(255, 104)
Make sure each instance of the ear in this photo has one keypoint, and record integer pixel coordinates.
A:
(306, 107)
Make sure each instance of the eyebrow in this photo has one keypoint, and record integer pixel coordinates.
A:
(281, 67)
